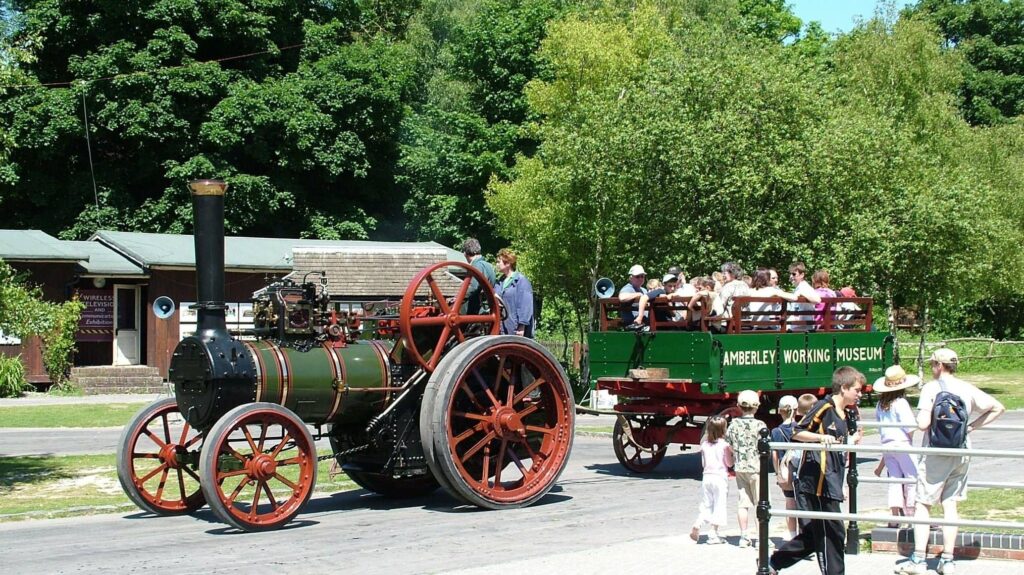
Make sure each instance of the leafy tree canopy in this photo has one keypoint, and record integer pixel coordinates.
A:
(990, 35)
(671, 142)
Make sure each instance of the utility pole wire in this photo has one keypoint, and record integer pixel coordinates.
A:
(88, 146)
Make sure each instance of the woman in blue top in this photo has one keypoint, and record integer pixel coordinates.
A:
(517, 293)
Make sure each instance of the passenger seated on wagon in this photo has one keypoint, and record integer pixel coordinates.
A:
(665, 288)
(766, 311)
(631, 292)
(700, 302)
(846, 310)
(802, 289)
(734, 287)
(683, 289)
(820, 281)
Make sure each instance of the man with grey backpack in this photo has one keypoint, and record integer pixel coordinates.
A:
(945, 410)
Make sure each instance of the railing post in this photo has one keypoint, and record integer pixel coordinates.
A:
(764, 513)
(852, 529)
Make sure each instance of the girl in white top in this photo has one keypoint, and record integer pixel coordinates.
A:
(716, 455)
(893, 407)
(762, 288)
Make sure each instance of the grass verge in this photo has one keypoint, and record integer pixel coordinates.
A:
(981, 505)
(1006, 386)
(69, 415)
(49, 487)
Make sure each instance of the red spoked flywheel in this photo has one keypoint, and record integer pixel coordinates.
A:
(426, 336)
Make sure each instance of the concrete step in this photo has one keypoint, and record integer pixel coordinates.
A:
(114, 371)
(106, 379)
(116, 381)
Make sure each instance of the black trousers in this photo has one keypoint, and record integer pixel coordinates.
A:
(825, 538)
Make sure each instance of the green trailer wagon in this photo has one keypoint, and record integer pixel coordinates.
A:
(669, 380)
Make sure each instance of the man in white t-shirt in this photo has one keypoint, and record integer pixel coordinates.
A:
(798, 275)
(943, 478)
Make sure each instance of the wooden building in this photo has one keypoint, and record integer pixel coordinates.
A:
(119, 276)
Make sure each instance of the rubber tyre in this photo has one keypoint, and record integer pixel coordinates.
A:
(213, 481)
(127, 473)
(434, 424)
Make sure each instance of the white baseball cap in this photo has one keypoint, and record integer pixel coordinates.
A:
(787, 401)
(748, 398)
(944, 355)
(637, 270)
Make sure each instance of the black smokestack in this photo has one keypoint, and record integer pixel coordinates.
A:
(208, 223)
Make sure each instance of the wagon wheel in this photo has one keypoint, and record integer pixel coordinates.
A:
(156, 464)
(258, 466)
(426, 337)
(632, 448)
(386, 485)
(499, 427)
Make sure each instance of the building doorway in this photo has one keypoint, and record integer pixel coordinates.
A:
(126, 324)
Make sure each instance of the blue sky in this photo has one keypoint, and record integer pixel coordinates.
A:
(837, 15)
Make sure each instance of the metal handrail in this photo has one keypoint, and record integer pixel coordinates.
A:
(993, 427)
(911, 480)
(954, 452)
(764, 512)
(901, 519)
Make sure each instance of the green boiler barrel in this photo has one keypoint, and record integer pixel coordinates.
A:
(324, 384)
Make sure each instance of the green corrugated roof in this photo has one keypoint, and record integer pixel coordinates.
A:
(148, 250)
(104, 261)
(26, 245)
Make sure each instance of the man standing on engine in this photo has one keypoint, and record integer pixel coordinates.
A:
(474, 297)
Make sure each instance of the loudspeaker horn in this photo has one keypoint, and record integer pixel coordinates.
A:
(163, 307)
(604, 287)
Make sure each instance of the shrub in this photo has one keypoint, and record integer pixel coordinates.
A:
(12, 377)
(23, 313)
(59, 342)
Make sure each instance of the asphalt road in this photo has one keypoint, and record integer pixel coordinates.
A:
(598, 519)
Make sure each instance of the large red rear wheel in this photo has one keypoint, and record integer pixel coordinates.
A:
(427, 336)
(259, 466)
(634, 450)
(157, 456)
(499, 429)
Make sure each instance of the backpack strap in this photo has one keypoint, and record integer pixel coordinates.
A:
(819, 416)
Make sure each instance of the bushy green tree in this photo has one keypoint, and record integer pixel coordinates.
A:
(297, 104)
(476, 56)
(663, 140)
(990, 36)
(676, 140)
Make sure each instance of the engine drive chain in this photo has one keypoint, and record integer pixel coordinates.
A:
(363, 447)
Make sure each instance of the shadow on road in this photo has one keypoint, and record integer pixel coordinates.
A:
(684, 466)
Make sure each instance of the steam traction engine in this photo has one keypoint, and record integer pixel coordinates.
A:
(447, 402)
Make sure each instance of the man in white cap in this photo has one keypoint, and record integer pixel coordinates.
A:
(668, 291)
(631, 292)
(943, 478)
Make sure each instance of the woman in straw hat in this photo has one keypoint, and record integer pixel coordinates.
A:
(893, 407)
